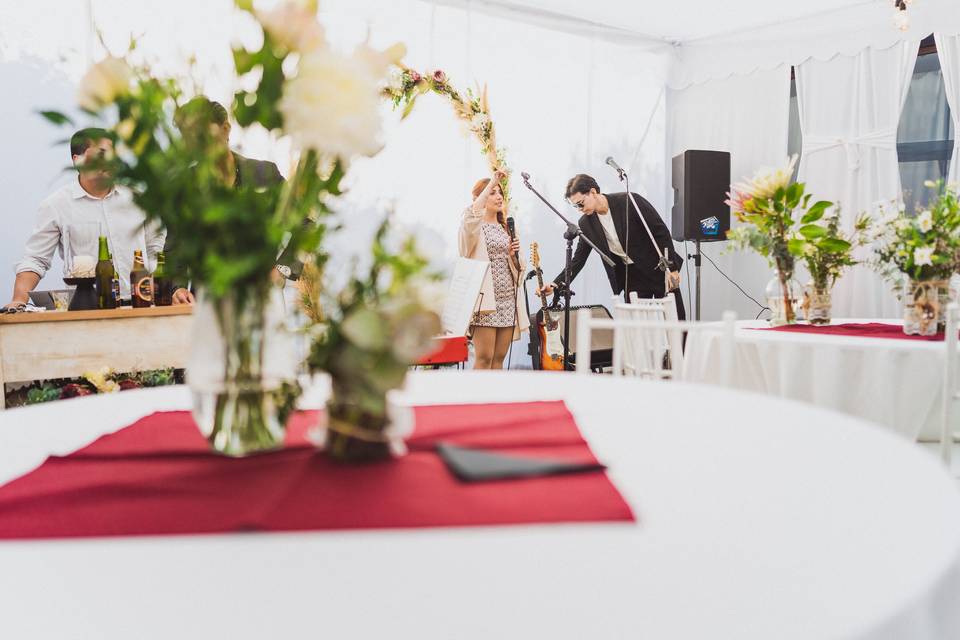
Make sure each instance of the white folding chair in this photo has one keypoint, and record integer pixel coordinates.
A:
(951, 393)
(637, 351)
(640, 346)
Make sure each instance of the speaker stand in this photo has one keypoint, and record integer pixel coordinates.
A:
(697, 263)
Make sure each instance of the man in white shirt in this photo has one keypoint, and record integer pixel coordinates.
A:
(92, 199)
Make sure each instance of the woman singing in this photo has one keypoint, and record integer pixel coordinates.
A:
(484, 236)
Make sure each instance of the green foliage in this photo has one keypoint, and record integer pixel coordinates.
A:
(925, 246)
(824, 248)
(175, 160)
(156, 378)
(44, 393)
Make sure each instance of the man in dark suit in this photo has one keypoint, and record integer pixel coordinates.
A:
(622, 236)
(237, 171)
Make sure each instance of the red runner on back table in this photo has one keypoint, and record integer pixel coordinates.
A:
(857, 330)
(157, 476)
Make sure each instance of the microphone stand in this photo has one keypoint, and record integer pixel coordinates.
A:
(572, 232)
(664, 264)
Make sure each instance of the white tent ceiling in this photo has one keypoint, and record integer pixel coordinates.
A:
(675, 20)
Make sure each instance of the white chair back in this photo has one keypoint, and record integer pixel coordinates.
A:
(648, 354)
(951, 393)
(652, 348)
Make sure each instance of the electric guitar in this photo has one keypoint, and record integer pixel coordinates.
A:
(551, 347)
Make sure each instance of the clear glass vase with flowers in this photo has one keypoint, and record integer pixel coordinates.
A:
(924, 249)
(765, 206)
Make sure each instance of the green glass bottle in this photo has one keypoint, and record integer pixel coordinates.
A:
(115, 282)
(104, 277)
(162, 285)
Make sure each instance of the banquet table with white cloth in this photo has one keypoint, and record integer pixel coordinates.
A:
(756, 518)
(895, 383)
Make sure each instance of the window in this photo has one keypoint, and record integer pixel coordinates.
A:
(925, 136)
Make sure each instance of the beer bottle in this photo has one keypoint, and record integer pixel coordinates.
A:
(141, 282)
(115, 284)
(162, 284)
(104, 277)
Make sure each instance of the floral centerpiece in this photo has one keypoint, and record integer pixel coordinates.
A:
(827, 251)
(103, 380)
(382, 322)
(926, 249)
(765, 206)
(172, 152)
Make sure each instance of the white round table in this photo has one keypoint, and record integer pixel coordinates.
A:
(895, 383)
(757, 518)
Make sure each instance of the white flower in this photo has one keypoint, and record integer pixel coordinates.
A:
(954, 186)
(925, 220)
(766, 181)
(930, 184)
(923, 256)
(901, 224)
(103, 83)
(294, 26)
(333, 104)
(479, 121)
(831, 213)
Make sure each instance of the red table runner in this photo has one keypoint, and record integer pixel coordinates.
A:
(859, 330)
(157, 476)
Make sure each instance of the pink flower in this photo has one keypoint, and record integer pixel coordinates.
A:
(736, 200)
(439, 77)
(415, 77)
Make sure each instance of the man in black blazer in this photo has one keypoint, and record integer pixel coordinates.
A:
(623, 237)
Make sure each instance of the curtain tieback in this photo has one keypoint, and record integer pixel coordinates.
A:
(880, 139)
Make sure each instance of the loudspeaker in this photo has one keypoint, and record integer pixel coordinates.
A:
(701, 180)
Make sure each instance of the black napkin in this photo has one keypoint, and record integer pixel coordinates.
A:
(472, 465)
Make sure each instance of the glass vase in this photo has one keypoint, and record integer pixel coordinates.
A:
(817, 305)
(784, 298)
(924, 306)
(236, 371)
(366, 424)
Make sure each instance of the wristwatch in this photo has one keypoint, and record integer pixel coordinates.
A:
(284, 270)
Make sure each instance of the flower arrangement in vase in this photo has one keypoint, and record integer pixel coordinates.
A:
(227, 224)
(382, 322)
(826, 251)
(925, 249)
(765, 206)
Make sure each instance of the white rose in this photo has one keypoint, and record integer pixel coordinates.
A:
(923, 256)
(103, 83)
(925, 220)
(294, 26)
(333, 105)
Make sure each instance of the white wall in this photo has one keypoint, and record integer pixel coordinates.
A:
(749, 117)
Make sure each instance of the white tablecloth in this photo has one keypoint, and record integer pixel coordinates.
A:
(895, 383)
(757, 518)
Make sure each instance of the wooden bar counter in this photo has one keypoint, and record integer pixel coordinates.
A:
(66, 344)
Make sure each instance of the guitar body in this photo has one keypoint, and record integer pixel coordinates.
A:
(551, 346)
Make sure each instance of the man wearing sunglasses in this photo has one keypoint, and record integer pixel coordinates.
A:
(606, 222)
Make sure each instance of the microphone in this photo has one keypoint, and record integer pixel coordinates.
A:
(525, 175)
(613, 163)
(512, 228)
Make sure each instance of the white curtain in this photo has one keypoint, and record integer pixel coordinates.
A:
(717, 115)
(849, 112)
(948, 49)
